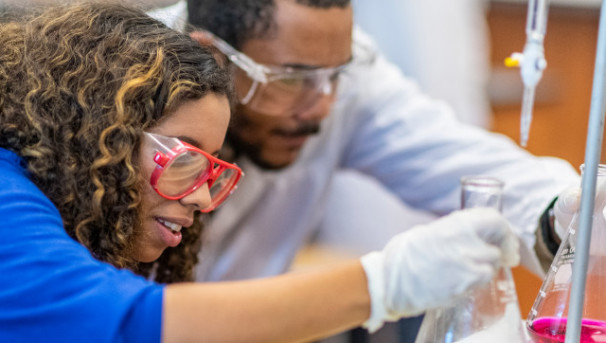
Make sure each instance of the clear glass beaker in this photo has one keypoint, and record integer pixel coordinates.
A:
(546, 322)
(489, 313)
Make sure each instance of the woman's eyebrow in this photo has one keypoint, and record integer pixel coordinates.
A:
(195, 143)
(190, 141)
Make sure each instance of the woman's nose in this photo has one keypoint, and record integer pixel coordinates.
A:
(200, 198)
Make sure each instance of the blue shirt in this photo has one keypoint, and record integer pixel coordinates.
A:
(51, 288)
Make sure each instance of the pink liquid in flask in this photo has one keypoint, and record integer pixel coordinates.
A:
(553, 330)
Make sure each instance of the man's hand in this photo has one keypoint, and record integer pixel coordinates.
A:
(430, 265)
(569, 203)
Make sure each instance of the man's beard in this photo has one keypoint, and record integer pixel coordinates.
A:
(239, 147)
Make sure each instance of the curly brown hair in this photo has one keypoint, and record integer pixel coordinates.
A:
(78, 85)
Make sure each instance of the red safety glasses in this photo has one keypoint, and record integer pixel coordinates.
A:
(182, 168)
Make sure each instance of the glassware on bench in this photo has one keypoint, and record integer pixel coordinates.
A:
(489, 313)
(546, 322)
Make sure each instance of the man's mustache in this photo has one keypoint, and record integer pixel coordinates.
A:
(305, 129)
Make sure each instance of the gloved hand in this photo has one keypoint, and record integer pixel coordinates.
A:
(566, 206)
(430, 265)
(569, 203)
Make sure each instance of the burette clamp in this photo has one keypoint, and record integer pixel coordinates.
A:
(532, 63)
(515, 60)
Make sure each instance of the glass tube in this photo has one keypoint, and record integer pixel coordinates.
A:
(489, 313)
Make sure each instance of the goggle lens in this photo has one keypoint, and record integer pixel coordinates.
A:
(182, 168)
(222, 186)
(283, 91)
(287, 96)
(183, 173)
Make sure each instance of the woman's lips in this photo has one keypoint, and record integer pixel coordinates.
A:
(169, 236)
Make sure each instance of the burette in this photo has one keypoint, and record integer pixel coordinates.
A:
(531, 61)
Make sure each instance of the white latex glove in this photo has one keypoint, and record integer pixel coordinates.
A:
(569, 203)
(566, 206)
(430, 265)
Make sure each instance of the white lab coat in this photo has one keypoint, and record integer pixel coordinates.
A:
(443, 45)
(174, 16)
(382, 126)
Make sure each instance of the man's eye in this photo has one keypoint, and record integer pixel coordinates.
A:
(335, 76)
(292, 81)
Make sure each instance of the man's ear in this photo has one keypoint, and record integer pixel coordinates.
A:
(201, 37)
(206, 41)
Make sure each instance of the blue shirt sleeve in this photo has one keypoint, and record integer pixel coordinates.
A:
(51, 288)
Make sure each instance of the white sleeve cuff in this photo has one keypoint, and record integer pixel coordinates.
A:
(373, 266)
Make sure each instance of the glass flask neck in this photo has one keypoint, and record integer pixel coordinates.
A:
(481, 191)
(489, 313)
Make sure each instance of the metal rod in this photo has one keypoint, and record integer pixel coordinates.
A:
(593, 151)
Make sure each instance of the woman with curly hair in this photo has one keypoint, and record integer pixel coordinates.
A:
(110, 124)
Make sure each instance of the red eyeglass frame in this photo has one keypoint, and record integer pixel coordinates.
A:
(214, 170)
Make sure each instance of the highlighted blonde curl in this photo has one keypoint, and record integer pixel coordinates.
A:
(78, 85)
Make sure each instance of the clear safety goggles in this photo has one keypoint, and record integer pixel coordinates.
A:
(276, 90)
(182, 168)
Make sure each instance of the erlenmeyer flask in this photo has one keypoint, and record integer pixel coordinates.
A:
(489, 313)
(546, 322)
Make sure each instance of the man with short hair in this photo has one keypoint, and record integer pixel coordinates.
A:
(314, 98)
